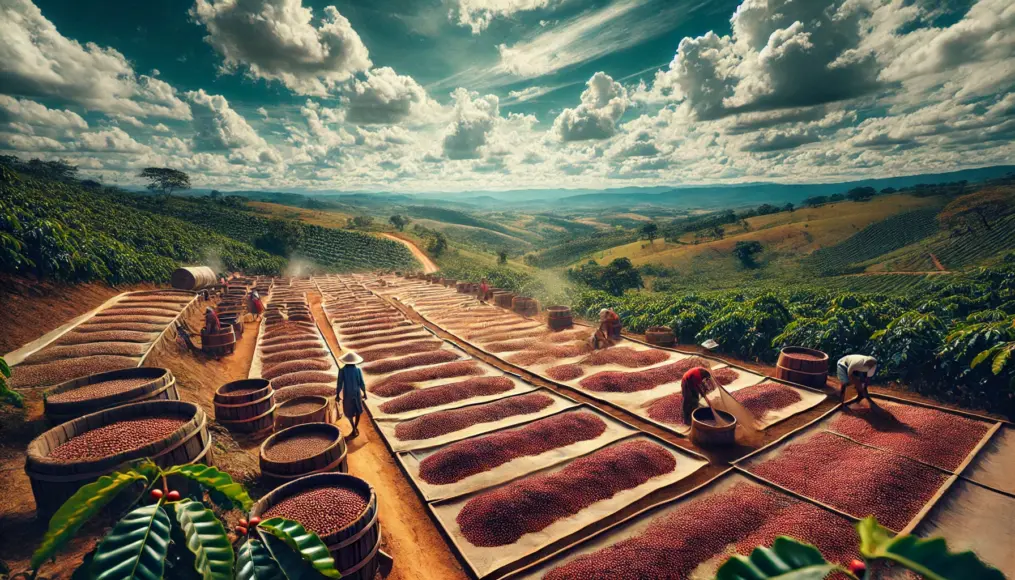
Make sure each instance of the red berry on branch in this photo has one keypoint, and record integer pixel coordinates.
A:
(243, 522)
(241, 530)
(254, 521)
(173, 496)
(156, 494)
(857, 568)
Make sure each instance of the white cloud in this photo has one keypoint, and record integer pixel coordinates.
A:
(475, 117)
(478, 14)
(37, 61)
(111, 140)
(161, 128)
(276, 40)
(26, 112)
(218, 126)
(386, 97)
(263, 113)
(603, 102)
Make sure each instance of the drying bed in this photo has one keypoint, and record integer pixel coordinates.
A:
(447, 425)
(692, 535)
(993, 466)
(974, 517)
(496, 527)
(493, 458)
(293, 353)
(930, 435)
(850, 477)
(111, 337)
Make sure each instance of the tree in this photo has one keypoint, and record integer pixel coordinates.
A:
(816, 200)
(788, 207)
(836, 197)
(502, 257)
(360, 222)
(616, 277)
(717, 232)
(165, 180)
(435, 243)
(282, 238)
(650, 231)
(861, 193)
(977, 209)
(215, 194)
(90, 184)
(746, 251)
(888, 190)
(399, 221)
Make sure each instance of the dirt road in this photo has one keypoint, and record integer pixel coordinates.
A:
(428, 266)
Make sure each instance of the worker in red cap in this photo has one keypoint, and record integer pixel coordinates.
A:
(694, 385)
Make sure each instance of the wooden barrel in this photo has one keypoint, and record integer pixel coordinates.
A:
(245, 406)
(504, 300)
(559, 317)
(705, 432)
(803, 359)
(218, 343)
(54, 482)
(309, 409)
(193, 278)
(331, 458)
(354, 547)
(151, 383)
(524, 306)
(660, 336)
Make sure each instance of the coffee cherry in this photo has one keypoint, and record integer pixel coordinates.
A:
(156, 494)
(857, 568)
(243, 523)
(241, 530)
(173, 496)
(254, 521)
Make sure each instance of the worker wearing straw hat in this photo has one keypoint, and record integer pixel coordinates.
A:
(351, 389)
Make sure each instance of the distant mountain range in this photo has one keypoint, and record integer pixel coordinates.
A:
(684, 197)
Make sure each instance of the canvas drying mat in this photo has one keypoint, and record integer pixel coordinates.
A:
(375, 401)
(483, 561)
(636, 526)
(387, 428)
(994, 466)
(517, 467)
(844, 500)
(906, 434)
(256, 364)
(972, 517)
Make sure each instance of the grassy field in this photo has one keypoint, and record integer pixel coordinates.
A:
(323, 218)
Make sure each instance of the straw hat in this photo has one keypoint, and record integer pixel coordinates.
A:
(350, 358)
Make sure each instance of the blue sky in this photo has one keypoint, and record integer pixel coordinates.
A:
(429, 95)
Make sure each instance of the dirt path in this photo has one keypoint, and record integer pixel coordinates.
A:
(937, 263)
(428, 265)
(408, 533)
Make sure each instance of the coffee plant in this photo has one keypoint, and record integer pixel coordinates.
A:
(166, 534)
(789, 559)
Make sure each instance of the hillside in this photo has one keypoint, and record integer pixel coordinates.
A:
(66, 232)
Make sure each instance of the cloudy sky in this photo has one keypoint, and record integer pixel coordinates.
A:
(431, 95)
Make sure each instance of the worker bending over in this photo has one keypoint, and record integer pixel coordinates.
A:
(857, 369)
(211, 321)
(693, 387)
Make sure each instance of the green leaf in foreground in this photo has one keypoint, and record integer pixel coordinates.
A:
(77, 510)
(929, 558)
(292, 563)
(212, 478)
(787, 559)
(136, 548)
(305, 542)
(206, 539)
(254, 562)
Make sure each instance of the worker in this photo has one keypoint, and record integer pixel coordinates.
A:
(609, 323)
(211, 321)
(693, 386)
(598, 340)
(351, 389)
(484, 289)
(857, 369)
(256, 305)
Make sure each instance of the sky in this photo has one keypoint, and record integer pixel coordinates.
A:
(468, 95)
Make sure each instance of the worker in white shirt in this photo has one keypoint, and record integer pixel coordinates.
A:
(857, 369)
